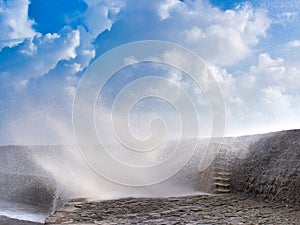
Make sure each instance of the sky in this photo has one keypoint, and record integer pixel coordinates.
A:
(252, 48)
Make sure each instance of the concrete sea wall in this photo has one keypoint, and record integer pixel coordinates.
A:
(271, 168)
(266, 166)
(22, 180)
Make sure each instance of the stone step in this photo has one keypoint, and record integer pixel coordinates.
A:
(221, 184)
(222, 178)
(220, 190)
(226, 174)
(222, 169)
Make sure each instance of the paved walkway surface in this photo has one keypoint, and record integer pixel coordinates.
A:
(204, 209)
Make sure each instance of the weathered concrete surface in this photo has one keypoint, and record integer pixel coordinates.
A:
(22, 180)
(266, 166)
(229, 149)
(271, 168)
(209, 209)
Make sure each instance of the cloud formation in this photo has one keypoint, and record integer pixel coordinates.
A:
(15, 25)
(37, 56)
(222, 38)
(262, 99)
(294, 44)
(41, 70)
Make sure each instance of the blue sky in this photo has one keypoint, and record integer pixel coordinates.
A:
(252, 47)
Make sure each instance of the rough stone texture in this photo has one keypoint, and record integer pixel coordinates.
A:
(28, 189)
(266, 166)
(263, 166)
(271, 168)
(205, 209)
(23, 180)
(222, 163)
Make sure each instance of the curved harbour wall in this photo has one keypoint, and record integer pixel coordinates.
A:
(266, 166)
(22, 180)
(271, 168)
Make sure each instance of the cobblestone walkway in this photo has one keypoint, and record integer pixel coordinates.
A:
(210, 209)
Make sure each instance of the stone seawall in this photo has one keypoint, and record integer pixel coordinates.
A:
(266, 166)
(263, 166)
(23, 180)
(270, 169)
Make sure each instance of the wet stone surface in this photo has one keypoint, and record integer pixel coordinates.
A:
(203, 209)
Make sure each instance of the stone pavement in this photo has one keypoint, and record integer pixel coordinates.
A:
(201, 209)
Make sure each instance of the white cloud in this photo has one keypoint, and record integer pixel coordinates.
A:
(286, 17)
(74, 41)
(268, 66)
(193, 35)
(15, 25)
(293, 44)
(41, 70)
(165, 8)
(222, 38)
(39, 55)
(275, 99)
(99, 15)
(264, 99)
